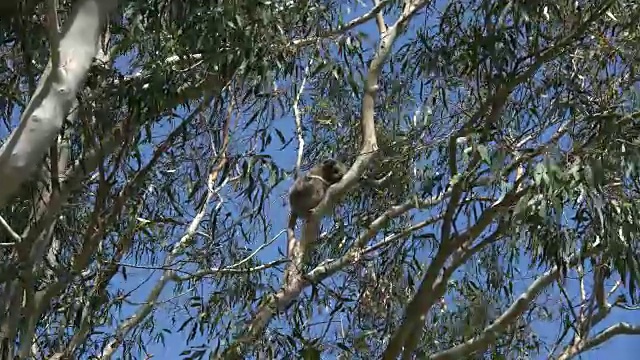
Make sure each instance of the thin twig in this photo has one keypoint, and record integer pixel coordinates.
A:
(11, 232)
(298, 116)
(344, 28)
(256, 251)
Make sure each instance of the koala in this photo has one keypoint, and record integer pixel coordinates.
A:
(309, 190)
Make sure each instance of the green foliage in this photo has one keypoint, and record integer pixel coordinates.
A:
(509, 129)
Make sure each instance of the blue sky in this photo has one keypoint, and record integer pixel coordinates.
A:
(621, 348)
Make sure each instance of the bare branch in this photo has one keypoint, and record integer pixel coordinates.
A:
(404, 233)
(235, 268)
(256, 251)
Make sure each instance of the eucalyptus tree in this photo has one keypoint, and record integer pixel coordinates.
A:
(147, 143)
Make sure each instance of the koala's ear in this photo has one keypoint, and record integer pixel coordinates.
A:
(329, 162)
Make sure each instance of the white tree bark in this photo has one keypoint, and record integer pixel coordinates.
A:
(72, 52)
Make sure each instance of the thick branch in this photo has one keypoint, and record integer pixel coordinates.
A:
(369, 142)
(43, 117)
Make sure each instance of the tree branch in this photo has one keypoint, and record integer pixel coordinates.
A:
(42, 119)
(9, 230)
(587, 321)
(344, 28)
(291, 240)
(621, 328)
(491, 332)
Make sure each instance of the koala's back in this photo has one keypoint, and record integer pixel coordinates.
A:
(306, 194)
